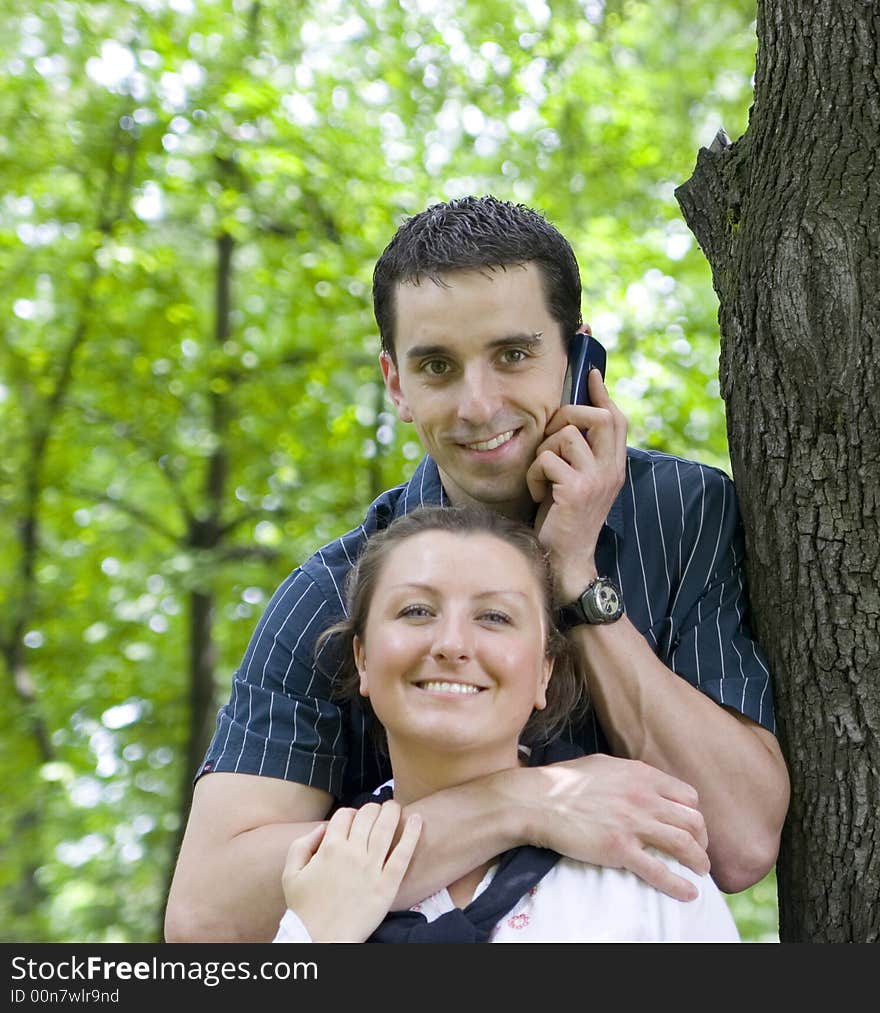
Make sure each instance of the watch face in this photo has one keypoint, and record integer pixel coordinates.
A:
(607, 599)
(601, 602)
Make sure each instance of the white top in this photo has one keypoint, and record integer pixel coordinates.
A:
(580, 903)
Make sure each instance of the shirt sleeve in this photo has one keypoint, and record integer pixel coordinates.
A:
(280, 720)
(291, 929)
(712, 645)
(707, 919)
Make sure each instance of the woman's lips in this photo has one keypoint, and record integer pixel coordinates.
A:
(446, 686)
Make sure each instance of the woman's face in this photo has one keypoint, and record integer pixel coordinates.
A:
(453, 653)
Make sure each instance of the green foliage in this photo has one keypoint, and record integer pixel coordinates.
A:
(755, 911)
(163, 436)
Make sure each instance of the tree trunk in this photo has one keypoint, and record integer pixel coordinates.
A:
(789, 219)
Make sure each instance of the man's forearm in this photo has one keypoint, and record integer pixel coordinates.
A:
(597, 809)
(227, 882)
(463, 827)
(229, 890)
(651, 714)
(232, 891)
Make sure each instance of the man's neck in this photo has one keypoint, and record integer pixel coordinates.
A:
(523, 508)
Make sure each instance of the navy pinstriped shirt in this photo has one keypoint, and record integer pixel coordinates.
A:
(673, 541)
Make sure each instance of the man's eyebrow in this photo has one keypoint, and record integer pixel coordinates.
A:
(530, 340)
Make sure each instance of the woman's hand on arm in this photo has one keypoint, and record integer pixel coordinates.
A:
(342, 878)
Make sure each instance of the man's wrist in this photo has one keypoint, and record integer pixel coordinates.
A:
(519, 790)
(598, 604)
(569, 588)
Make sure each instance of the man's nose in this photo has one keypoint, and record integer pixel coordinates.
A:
(479, 397)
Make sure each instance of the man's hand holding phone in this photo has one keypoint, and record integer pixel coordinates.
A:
(576, 475)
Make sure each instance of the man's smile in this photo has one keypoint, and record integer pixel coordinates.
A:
(495, 441)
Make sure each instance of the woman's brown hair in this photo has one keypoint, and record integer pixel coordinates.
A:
(567, 698)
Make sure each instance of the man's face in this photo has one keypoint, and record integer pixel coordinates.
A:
(480, 368)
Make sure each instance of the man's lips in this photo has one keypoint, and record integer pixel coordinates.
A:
(492, 443)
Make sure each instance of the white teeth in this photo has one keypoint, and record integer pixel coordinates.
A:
(449, 687)
(496, 441)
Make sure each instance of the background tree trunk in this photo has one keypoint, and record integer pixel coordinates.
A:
(789, 219)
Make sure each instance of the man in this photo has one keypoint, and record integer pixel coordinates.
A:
(476, 301)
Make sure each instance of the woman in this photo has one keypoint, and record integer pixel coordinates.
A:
(455, 648)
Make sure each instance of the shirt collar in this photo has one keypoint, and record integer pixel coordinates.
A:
(426, 489)
(423, 489)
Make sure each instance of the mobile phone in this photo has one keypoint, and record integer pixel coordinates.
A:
(584, 354)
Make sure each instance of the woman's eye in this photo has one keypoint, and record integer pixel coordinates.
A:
(494, 616)
(414, 611)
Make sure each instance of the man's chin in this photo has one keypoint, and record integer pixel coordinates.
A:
(508, 499)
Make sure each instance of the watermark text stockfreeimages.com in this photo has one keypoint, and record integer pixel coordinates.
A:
(210, 973)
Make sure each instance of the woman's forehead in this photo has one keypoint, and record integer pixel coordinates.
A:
(466, 559)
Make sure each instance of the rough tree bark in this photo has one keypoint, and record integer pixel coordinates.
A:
(789, 219)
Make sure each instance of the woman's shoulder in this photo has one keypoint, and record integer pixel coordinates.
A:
(578, 902)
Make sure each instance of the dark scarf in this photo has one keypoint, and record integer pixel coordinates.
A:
(518, 871)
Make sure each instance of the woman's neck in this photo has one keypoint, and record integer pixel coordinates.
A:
(420, 771)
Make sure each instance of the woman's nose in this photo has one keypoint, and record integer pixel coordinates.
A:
(452, 642)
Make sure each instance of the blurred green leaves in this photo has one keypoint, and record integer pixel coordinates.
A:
(193, 198)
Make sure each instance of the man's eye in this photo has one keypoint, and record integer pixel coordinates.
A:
(513, 355)
(435, 367)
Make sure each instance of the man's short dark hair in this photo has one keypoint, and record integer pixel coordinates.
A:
(471, 233)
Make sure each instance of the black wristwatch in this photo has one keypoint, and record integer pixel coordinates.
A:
(601, 602)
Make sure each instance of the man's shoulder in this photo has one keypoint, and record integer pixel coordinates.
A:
(685, 496)
(670, 471)
(337, 557)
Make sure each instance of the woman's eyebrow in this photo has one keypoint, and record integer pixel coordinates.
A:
(488, 593)
(501, 591)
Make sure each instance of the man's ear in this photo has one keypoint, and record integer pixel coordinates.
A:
(392, 385)
(360, 663)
